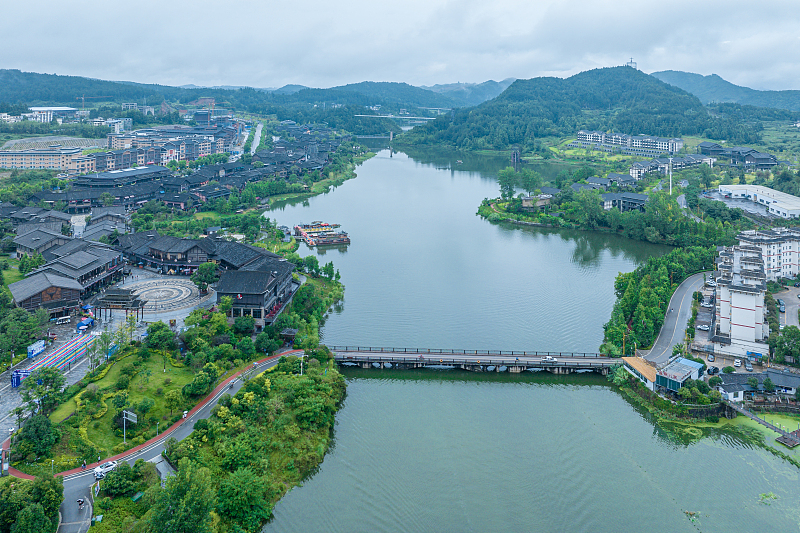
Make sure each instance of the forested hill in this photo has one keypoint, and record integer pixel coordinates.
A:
(621, 99)
(713, 88)
(398, 93)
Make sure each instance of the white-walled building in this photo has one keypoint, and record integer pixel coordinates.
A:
(777, 203)
(780, 250)
(740, 324)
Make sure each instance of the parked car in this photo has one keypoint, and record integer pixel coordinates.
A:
(748, 366)
(711, 283)
(101, 471)
(712, 370)
(782, 309)
(706, 304)
(703, 327)
(711, 358)
(780, 302)
(737, 363)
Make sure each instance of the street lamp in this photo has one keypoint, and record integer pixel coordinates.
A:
(52, 465)
(157, 423)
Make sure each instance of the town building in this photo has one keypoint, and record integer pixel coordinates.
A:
(736, 387)
(780, 250)
(676, 373)
(778, 203)
(56, 294)
(740, 156)
(645, 145)
(739, 325)
(261, 294)
(643, 370)
(663, 164)
(67, 159)
(624, 201)
(38, 241)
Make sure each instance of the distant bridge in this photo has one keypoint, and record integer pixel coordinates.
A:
(399, 117)
(472, 360)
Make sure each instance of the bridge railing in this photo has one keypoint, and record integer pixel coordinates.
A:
(449, 361)
(450, 351)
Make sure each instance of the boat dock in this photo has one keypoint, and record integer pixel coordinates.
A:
(321, 234)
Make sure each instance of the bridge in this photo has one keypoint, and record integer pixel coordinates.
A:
(472, 360)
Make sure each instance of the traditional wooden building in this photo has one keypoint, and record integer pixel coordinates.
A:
(56, 294)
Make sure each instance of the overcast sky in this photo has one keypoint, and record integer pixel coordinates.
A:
(266, 43)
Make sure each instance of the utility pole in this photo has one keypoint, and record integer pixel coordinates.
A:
(670, 176)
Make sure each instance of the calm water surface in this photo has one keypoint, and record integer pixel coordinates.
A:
(446, 451)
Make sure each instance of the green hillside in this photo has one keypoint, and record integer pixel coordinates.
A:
(713, 88)
(619, 98)
(398, 93)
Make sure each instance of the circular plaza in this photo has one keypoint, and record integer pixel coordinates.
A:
(167, 294)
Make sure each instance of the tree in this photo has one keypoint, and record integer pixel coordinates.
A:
(120, 481)
(185, 504)
(48, 491)
(729, 370)
(107, 199)
(161, 338)
(244, 325)
(507, 178)
(225, 304)
(788, 344)
(41, 387)
(769, 386)
(266, 344)
(205, 275)
(40, 434)
(173, 400)
(530, 180)
(714, 381)
(311, 264)
(753, 382)
(243, 499)
(32, 520)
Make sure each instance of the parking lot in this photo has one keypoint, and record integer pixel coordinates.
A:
(741, 203)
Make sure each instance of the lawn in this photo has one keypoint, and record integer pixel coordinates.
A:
(151, 381)
(11, 275)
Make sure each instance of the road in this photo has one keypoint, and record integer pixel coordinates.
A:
(789, 296)
(256, 139)
(686, 211)
(674, 327)
(78, 485)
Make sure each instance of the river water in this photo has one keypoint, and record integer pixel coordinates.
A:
(429, 451)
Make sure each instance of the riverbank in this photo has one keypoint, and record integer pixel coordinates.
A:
(325, 185)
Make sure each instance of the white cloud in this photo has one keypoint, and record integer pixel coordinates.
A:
(322, 44)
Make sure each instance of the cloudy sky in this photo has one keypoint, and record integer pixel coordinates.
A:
(265, 43)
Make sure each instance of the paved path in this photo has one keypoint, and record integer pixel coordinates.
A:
(256, 139)
(789, 296)
(686, 210)
(674, 327)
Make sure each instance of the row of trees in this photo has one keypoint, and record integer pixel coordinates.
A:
(643, 296)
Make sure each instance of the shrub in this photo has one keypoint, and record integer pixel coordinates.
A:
(119, 481)
(729, 370)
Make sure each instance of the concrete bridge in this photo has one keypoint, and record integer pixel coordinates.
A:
(472, 360)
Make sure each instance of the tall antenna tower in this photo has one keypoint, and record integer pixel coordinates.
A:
(631, 64)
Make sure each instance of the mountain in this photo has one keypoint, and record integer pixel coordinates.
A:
(713, 88)
(622, 99)
(290, 89)
(471, 94)
(398, 94)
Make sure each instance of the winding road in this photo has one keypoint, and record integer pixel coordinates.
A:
(674, 327)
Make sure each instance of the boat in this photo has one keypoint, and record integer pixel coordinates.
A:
(320, 233)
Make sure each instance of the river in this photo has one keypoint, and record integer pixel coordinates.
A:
(449, 451)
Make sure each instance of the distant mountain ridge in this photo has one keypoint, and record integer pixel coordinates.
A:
(713, 88)
(621, 99)
(471, 94)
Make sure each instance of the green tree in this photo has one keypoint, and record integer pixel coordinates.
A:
(225, 304)
(243, 499)
(39, 432)
(107, 199)
(311, 264)
(120, 481)
(530, 180)
(769, 386)
(185, 504)
(42, 387)
(173, 400)
(753, 382)
(32, 520)
(244, 325)
(205, 275)
(714, 381)
(161, 338)
(788, 344)
(48, 491)
(507, 178)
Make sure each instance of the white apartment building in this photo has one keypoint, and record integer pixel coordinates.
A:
(740, 324)
(642, 142)
(780, 250)
(778, 203)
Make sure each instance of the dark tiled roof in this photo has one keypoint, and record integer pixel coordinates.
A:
(25, 288)
(38, 237)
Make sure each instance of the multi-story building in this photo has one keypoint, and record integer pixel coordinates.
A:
(739, 327)
(633, 144)
(56, 158)
(780, 250)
